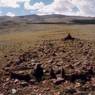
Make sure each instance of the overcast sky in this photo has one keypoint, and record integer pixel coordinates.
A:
(47, 7)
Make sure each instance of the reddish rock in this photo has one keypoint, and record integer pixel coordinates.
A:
(58, 81)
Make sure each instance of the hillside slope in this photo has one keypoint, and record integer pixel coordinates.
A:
(45, 19)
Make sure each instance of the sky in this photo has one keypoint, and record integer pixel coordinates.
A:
(47, 7)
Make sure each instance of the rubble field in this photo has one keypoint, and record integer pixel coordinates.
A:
(54, 67)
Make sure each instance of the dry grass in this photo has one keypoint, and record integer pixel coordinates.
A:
(24, 37)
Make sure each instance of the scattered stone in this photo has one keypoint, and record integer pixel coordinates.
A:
(16, 81)
(20, 76)
(63, 73)
(24, 84)
(58, 81)
(32, 81)
(18, 61)
(69, 37)
(57, 93)
(38, 73)
(72, 61)
(7, 79)
(70, 91)
(1, 94)
(14, 91)
(77, 85)
(52, 74)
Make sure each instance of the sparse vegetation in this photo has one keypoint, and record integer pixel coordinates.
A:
(45, 44)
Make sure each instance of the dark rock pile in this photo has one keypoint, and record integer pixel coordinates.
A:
(68, 63)
(69, 37)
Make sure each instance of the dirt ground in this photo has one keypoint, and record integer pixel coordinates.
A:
(72, 61)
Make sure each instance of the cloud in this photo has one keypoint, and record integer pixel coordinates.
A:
(12, 3)
(35, 6)
(10, 14)
(67, 7)
(58, 7)
(86, 7)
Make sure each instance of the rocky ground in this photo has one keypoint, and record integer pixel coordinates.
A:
(54, 67)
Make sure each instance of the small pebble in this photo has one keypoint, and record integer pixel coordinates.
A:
(14, 91)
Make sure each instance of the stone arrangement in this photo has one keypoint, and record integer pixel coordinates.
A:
(55, 67)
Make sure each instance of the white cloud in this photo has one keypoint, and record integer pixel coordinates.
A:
(36, 6)
(58, 7)
(10, 14)
(67, 7)
(86, 7)
(12, 3)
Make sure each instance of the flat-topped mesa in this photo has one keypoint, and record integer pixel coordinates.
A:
(69, 37)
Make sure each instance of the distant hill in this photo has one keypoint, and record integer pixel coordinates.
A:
(47, 19)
